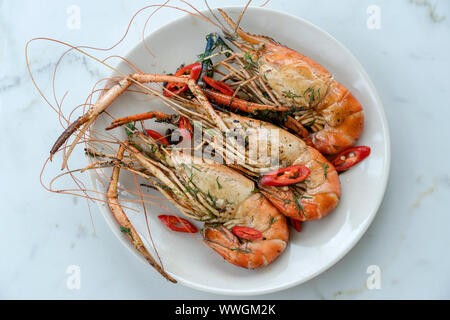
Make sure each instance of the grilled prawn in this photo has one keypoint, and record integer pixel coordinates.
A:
(224, 199)
(318, 102)
(311, 199)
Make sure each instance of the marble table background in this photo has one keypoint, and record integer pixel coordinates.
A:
(43, 233)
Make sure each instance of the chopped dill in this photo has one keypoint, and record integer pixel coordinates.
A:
(325, 168)
(127, 231)
(162, 186)
(211, 198)
(218, 184)
(289, 94)
(301, 210)
(311, 97)
(249, 62)
(241, 250)
(192, 190)
(272, 220)
(308, 90)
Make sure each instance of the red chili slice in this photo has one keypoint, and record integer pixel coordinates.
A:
(158, 137)
(193, 70)
(296, 224)
(186, 129)
(178, 224)
(348, 158)
(247, 233)
(286, 176)
(219, 85)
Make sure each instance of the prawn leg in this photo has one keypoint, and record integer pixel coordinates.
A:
(236, 103)
(104, 102)
(142, 116)
(124, 222)
(296, 127)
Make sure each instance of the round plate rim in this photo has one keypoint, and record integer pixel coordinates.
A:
(387, 161)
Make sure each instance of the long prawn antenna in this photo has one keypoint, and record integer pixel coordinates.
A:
(241, 15)
(201, 14)
(224, 29)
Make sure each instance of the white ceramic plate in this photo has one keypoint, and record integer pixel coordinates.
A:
(321, 243)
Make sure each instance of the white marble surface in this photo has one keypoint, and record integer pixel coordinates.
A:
(43, 233)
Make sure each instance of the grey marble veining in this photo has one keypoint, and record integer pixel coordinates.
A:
(43, 233)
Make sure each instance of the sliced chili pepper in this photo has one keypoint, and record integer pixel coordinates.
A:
(219, 85)
(158, 137)
(178, 224)
(186, 129)
(348, 158)
(296, 224)
(286, 176)
(193, 70)
(247, 233)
